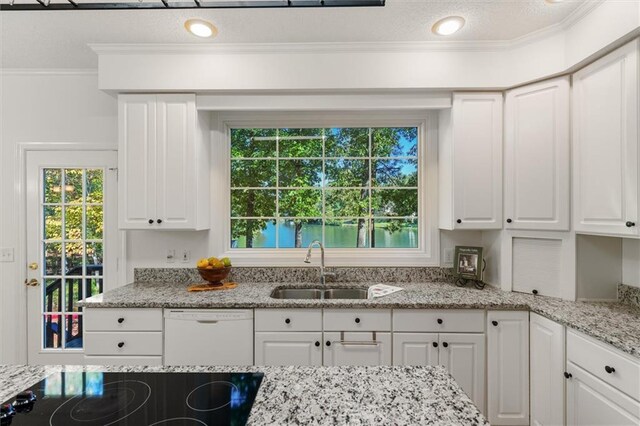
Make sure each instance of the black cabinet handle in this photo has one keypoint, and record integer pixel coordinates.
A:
(150, 221)
(567, 375)
(534, 291)
(439, 320)
(357, 320)
(495, 323)
(121, 344)
(630, 224)
(609, 370)
(509, 221)
(287, 321)
(120, 320)
(328, 343)
(459, 220)
(435, 344)
(159, 221)
(317, 344)
(445, 344)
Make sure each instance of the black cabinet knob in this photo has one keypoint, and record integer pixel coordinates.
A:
(317, 344)
(630, 224)
(459, 220)
(357, 320)
(534, 291)
(439, 320)
(159, 221)
(445, 344)
(121, 344)
(495, 323)
(435, 344)
(120, 320)
(609, 370)
(509, 221)
(328, 343)
(287, 321)
(567, 375)
(150, 221)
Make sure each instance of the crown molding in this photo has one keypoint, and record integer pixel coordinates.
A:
(48, 71)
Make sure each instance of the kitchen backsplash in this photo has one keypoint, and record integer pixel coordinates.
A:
(629, 294)
(291, 274)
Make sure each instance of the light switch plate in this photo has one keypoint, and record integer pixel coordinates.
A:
(171, 255)
(6, 254)
(448, 256)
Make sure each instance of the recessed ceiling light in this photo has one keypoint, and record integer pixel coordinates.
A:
(449, 25)
(201, 28)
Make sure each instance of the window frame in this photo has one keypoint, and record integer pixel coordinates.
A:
(427, 253)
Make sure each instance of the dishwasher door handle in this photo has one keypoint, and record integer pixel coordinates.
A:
(207, 321)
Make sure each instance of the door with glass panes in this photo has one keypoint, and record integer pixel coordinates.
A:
(72, 246)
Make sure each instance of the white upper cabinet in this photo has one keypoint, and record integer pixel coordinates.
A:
(163, 163)
(605, 144)
(470, 162)
(537, 160)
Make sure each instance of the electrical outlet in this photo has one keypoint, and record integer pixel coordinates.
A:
(6, 254)
(171, 255)
(448, 256)
(186, 256)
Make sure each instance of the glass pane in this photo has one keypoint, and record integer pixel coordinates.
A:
(73, 383)
(53, 223)
(73, 185)
(394, 233)
(298, 233)
(73, 222)
(52, 331)
(347, 142)
(394, 141)
(94, 186)
(74, 254)
(52, 295)
(395, 172)
(352, 233)
(300, 142)
(253, 203)
(94, 255)
(94, 222)
(300, 173)
(395, 202)
(345, 173)
(73, 330)
(253, 233)
(347, 202)
(93, 286)
(52, 185)
(73, 294)
(300, 202)
(52, 259)
(253, 143)
(253, 173)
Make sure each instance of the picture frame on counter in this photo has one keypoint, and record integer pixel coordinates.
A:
(468, 263)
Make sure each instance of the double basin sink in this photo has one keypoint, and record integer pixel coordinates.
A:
(319, 293)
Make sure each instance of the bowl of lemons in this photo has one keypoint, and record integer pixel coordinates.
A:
(214, 270)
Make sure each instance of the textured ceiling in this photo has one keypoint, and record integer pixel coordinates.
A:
(58, 39)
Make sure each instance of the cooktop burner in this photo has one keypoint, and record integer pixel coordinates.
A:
(105, 399)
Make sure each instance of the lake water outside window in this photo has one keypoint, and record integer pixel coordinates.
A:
(348, 187)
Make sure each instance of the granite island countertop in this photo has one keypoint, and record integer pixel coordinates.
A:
(613, 323)
(318, 395)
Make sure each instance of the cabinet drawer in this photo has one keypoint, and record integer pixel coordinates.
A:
(116, 343)
(439, 320)
(108, 319)
(596, 357)
(357, 320)
(288, 320)
(122, 360)
(357, 349)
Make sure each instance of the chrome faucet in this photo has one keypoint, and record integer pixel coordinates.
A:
(307, 259)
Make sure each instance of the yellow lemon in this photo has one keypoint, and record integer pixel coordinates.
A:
(226, 261)
(213, 260)
(217, 264)
(202, 263)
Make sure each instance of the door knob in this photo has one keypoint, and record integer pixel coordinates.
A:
(630, 224)
(567, 375)
(33, 266)
(509, 220)
(32, 282)
(609, 370)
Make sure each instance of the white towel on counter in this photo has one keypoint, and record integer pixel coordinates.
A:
(379, 290)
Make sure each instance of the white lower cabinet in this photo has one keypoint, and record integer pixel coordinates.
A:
(357, 348)
(415, 349)
(297, 348)
(508, 367)
(547, 359)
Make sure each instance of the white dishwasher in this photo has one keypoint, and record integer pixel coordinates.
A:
(208, 337)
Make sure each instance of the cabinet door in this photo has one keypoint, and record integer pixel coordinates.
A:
(477, 160)
(298, 348)
(591, 401)
(537, 165)
(547, 357)
(357, 348)
(463, 356)
(508, 367)
(415, 349)
(176, 128)
(136, 161)
(605, 144)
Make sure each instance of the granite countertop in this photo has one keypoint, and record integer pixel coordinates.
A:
(613, 323)
(318, 395)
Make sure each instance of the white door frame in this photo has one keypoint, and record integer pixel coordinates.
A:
(19, 306)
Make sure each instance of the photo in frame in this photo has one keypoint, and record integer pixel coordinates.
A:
(468, 263)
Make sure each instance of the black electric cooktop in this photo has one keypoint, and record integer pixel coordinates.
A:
(172, 399)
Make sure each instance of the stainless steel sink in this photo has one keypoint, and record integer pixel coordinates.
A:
(318, 293)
